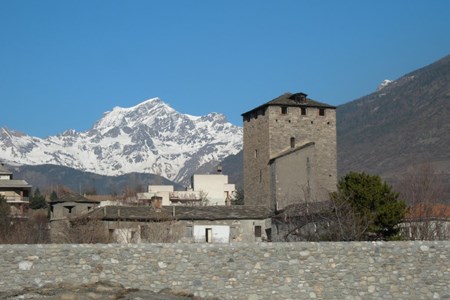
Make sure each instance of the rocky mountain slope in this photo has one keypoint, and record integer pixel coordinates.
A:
(150, 137)
(407, 122)
(49, 177)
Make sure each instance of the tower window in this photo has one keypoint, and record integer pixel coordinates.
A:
(284, 110)
(256, 153)
(303, 111)
(292, 142)
(321, 111)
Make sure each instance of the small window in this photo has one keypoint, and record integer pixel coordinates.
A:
(256, 153)
(303, 111)
(257, 231)
(321, 111)
(284, 110)
(69, 208)
(188, 232)
(292, 142)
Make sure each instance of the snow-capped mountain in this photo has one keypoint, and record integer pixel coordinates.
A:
(383, 84)
(150, 137)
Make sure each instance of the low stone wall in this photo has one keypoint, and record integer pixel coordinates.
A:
(357, 270)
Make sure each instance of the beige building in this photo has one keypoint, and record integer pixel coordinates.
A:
(206, 189)
(16, 193)
(289, 152)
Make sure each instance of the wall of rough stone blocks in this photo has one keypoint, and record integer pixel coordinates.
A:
(345, 270)
(270, 134)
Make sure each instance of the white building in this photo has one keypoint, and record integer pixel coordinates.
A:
(215, 188)
(210, 189)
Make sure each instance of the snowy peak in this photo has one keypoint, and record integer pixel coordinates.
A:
(149, 137)
(120, 117)
(383, 84)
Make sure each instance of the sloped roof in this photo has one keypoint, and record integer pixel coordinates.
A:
(237, 212)
(15, 184)
(430, 211)
(289, 99)
(72, 197)
(290, 150)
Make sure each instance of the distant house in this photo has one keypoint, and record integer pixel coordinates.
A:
(16, 193)
(205, 189)
(70, 205)
(203, 224)
(427, 222)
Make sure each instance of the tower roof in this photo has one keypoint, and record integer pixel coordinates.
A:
(289, 99)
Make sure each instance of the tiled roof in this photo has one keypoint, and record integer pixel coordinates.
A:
(238, 212)
(430, 211)
(289, 99)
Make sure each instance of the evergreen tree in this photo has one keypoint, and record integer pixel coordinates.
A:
(238, 198)
(53, 196)
(5, 222)
(37, 201)
(373, 200)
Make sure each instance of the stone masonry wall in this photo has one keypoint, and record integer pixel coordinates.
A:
(358, 270)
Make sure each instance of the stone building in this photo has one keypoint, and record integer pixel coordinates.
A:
(289, 152)
(187, 224)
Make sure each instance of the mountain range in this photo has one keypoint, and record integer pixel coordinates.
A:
(150, 137)
(404, 123)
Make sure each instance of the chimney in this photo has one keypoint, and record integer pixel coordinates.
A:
(156, 202)
(299, 97)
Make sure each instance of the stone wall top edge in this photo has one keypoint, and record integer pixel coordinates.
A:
(262, 245)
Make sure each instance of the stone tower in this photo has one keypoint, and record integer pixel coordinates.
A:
(289, 152)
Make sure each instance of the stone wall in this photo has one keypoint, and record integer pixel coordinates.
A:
(359, 270)
(268, 133)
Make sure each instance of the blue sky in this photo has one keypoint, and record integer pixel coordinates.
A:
(64, 63)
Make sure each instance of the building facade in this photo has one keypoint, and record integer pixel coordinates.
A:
(205, 189)
(289, 152)
(16, 192)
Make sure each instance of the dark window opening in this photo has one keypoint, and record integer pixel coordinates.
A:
(269, 234)
(292, 142)
(208, 235)
(284, 110)
(303, 111)
(256, 153)
(321, 112)
(69, 208)
(258, 231)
